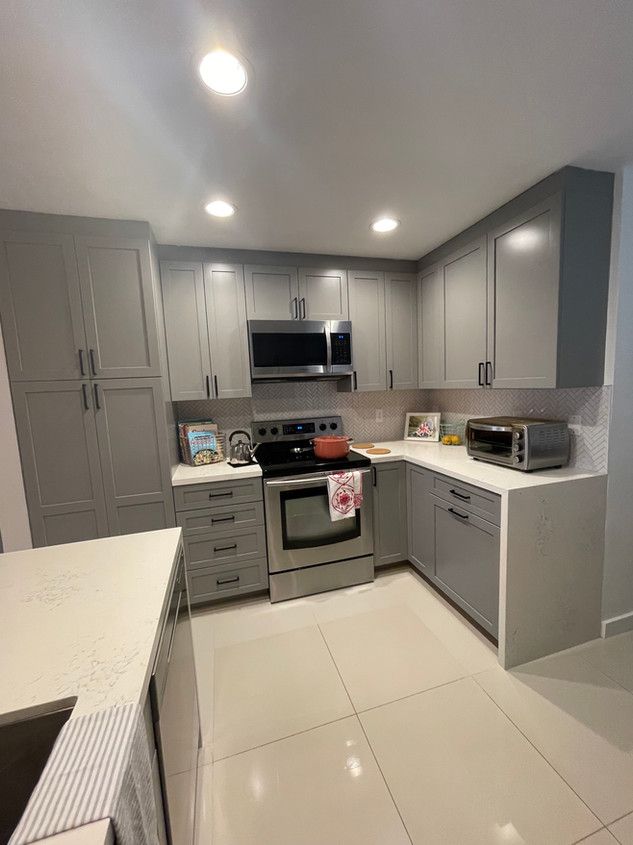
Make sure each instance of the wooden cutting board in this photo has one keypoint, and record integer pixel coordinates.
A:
(362, 445)
(379, 451)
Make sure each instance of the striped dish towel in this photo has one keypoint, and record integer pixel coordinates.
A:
(99, 768)
(345, 494)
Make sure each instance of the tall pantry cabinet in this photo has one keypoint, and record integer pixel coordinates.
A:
(81, 319)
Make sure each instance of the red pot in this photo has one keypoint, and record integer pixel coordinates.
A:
(330, 447)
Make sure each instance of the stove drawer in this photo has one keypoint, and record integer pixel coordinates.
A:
(190, 496)
(223, 547)
(215, 520)
(213, 583)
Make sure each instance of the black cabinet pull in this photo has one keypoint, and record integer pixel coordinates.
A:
(480, 377)
(489, 373)
(233, 580)
(220, 495)
(215, 519)
(355, 381)
(225, 548)
(457, 513)
(97, 402)
(461, 496)
(215, 382)
(390, 379)
(208, 380)
(84, 393)
(93, 366)
(82, 366)
(374, 476)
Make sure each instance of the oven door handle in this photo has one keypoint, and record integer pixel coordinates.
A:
(310, 480)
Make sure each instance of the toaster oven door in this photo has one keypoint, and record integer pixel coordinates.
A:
(491, 443)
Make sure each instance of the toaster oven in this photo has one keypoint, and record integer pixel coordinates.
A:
(518, 442)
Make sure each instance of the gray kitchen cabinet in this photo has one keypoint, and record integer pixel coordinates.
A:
(132, 436)
(464, 317)
(228, 338)
(401, 313)
(430, 320)
(467, 561)
(390, 513)
(323, 294)
(272, 293)
(419, 483)
(187, 335)
(367, 313)
(60, 461)
(524, 268)
(40, 304)
(118, 305)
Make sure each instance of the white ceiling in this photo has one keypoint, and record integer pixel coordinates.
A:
(436, 111)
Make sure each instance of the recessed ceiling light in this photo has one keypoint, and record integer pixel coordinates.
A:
(223, 73)
(385, 224)
(220, 208)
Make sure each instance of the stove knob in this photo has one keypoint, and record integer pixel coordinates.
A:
(322, 427)
(261, 431)
(274, 430)
(333, 426)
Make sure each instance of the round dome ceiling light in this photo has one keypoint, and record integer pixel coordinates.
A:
(385, 224)
(220, 208)
(223, 73)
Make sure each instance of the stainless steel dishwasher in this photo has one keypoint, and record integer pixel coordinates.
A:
(174, 703)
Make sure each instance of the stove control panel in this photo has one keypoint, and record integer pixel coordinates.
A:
(285, 430)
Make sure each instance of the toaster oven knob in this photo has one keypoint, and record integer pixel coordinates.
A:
(274, 430)
(517, 459)
(261, 431)
(322, 426)
(333, 426)
(518, 435)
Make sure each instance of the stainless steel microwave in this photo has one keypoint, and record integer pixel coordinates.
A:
(305, 349)
(519, 442)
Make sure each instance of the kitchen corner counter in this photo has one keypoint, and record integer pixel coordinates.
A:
(185, 474)
(454, 461)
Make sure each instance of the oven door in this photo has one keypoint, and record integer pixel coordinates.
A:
(289, 348)
(299, 529)
(495, 444)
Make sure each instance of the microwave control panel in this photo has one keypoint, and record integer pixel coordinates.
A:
(341, 348)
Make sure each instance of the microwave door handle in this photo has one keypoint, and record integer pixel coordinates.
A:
(328, 346)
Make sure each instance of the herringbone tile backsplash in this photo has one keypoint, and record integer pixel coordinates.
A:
(587, 409)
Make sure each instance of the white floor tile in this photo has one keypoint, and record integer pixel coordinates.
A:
(579, 719)
(614, 657)
(386, 654)
(321, 787)
(269, 688)
(460, 772)
(623, 830)
(602, 837)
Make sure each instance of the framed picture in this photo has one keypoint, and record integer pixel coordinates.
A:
(421, 425)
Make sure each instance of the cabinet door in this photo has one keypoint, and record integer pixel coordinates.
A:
(467, 561)
(465, 306)
(272, 293)
(40, 306)
(186, 330)
(420, 519)
(323, 294)
(133, 448)
(390, 513)
(367, 313)
(60, 461)
(226, 317)
(118, 303)
(524, 266)
(401, 305)
(430, 319)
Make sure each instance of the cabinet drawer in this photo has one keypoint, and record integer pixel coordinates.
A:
(191, 496)
(221, 582)
(467, 561)
(228, 546)
(214, 520)
(473, 499)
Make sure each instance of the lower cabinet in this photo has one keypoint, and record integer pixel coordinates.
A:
(454, 541)
(390, 513)
(224, 538)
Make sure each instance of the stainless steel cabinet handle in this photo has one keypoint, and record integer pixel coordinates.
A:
(460, 495)
(225, 548)
(84, 393)
(390, 379)
(489, 373)
(221, 519)
(82, 366)
(302, 304)
(294, 308)
(220, 495)
(93, 366)
(97, 402)
(457, 513)
(208, 380)
(233, 580)
(173, 630)
(480, 376)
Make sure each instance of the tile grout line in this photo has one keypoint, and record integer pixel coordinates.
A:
(369, 745)
(549, 763)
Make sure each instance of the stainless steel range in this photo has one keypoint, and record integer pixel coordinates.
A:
(308, 552)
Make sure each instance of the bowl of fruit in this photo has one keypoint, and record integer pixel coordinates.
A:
(452, 434)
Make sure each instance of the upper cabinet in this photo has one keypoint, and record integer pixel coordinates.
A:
(521, 297)
(118, 304)
(367, 313)
(285, 293)
(401, 316)
(40, 302)
(205, 324)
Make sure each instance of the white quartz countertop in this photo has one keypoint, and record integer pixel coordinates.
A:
(184, 474)
(453, 461)
(82, 620)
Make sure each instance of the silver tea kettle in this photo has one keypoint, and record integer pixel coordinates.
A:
(240, 451)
